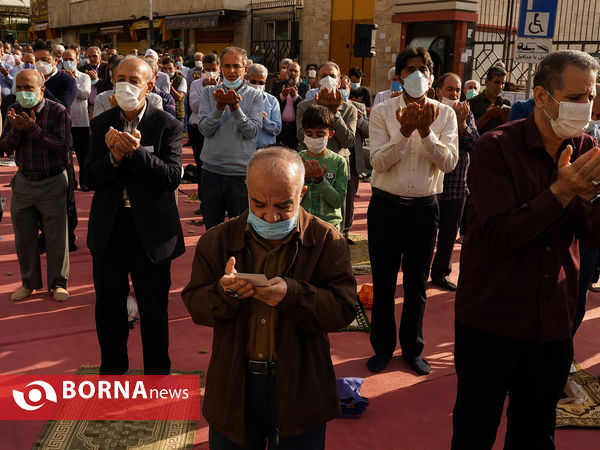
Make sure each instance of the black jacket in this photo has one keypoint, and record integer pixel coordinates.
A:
(278, 86)
(151, 175)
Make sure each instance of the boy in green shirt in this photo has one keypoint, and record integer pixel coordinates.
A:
(326, 171)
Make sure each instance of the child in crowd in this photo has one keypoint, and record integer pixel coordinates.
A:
(326, 171)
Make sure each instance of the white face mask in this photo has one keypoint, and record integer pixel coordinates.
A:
(416, 84)
(329, 83)
(260, 87)
(573, 118)
(312, 73)
(213, 75)
(44, 68)
(316, 146)
(127, 95)
(449, 101)
(198, 64)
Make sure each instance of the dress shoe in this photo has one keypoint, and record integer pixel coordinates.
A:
(444, 283)
(460, 240)
(21, 294)
(198, 212)
(418, 364)
(595, 287)
(60, 294)
(377, 363)
(350, 241)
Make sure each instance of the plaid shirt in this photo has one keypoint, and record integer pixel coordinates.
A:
(455, 182)
(43, 147)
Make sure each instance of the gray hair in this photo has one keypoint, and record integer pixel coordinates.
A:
(549, 73)
(287, 61)
(258, 69)
(474, 81)
(237, 50)
(329, 63)
(153, 65)
(94, 48)
(272, 159)
(198, 53)
(391, 73)
(59, 47)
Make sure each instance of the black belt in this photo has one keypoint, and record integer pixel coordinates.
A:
(405, 201)
(36, 176)
(261, 367)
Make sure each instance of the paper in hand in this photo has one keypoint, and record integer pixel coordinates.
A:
(256, 279)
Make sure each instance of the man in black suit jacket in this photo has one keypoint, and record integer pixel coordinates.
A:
(289, 93)
(134, 167)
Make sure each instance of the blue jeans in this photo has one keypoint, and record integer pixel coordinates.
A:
(261, 422)
(220, 193)
(588, 261)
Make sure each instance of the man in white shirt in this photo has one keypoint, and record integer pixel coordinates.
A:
(163, 82)
(414, 141)
(80, 122)
(394, 90)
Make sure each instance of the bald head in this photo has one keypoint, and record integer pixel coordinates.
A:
(275, 180)
(135, 67)
(29, 80)
(279, 163)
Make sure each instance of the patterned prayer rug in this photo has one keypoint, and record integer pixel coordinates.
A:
(359, 252)
(584, 414)
(117, 434)
(361, 322)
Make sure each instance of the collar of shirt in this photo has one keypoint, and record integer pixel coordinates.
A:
(129, 125)
(54, 72)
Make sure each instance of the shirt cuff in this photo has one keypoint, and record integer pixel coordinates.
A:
(113, 160)
(239, 115)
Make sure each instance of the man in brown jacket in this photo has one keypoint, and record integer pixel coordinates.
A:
(270, 376)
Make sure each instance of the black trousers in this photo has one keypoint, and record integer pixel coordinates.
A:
(489, 367)
(196, 140)
(261, 422)
(450, 215)
(287, 136)
(399, 235)
(81, 143)
(351, 190)
(123, 256)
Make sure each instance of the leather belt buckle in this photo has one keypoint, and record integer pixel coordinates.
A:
(261, 367)
(405, 201)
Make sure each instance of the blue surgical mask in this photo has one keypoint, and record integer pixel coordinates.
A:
(69, 65)
(28, 66)
(272, 231)
(27, 99)
(593, 129)
(233, 84)
(396, 86)
(345, 93)
(354, 85)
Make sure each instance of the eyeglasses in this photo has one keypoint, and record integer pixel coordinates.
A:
(233, 66)
(256, 82)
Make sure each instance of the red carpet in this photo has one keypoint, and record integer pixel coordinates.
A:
(40, 336)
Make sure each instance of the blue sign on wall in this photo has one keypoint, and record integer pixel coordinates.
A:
(537, 18)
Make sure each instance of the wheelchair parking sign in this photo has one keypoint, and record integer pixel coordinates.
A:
(537, 18)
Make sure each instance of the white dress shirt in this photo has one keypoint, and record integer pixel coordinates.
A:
(79, 108)
(411, 167)
(382, 97)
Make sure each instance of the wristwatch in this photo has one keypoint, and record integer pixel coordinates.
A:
(591, 202)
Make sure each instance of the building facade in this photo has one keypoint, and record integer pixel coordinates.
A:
(191, 25)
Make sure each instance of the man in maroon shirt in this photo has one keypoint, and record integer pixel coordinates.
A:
(532, 194)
